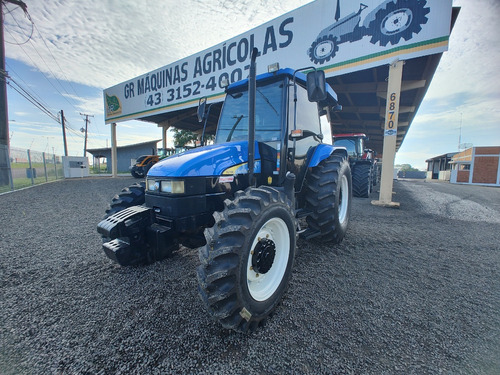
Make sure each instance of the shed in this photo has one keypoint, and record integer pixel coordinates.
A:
(126, 155)
(439, 168)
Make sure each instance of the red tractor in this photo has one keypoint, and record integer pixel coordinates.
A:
(364, 166)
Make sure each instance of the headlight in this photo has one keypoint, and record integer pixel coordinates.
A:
(153, 185)
(172, 186)
(166, 186)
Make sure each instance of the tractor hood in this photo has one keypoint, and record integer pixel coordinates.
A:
(206, 161)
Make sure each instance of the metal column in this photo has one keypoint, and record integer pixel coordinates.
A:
(114, 160)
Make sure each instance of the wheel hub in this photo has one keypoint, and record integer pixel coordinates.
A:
(263, 256)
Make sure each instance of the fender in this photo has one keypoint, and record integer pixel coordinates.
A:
(323, 151)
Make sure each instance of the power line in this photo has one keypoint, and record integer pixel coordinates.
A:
(33, 100)
(32, 29)
(60, 69)
(28, 96)
(44, 61)
(36, 65)
(11, 70)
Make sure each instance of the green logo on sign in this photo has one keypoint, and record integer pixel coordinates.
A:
(113, 106)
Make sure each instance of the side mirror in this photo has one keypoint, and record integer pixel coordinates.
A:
(316, 86)
(201, 109)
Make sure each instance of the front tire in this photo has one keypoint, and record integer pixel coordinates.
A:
(134, 195)
(328, 198)
(247, 262)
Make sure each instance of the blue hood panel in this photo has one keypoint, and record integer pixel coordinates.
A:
(204, 161)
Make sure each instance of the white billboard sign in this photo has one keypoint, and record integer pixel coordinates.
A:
(337, 36)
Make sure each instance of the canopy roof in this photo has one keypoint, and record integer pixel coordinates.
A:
(362, 95)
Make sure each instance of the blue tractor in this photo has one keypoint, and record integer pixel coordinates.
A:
(243, 201)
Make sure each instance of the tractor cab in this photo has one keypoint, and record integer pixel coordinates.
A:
(353, 142)
(288, 125)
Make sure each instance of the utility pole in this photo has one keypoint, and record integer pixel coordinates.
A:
(86, 131)
(64, 134)
(5, 171)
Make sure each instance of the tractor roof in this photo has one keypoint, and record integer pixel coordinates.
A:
(350, 135)
(299, 77)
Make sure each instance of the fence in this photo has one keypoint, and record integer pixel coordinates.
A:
(30, 167)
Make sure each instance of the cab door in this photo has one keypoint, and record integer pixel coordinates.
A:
(300, 150)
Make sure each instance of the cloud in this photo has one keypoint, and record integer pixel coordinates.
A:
(108, 42)
(467, 65)
(102, 43)
(21, 113)
(84, 104)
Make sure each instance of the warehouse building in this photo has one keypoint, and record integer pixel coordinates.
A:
(126, 155)
(476, 166)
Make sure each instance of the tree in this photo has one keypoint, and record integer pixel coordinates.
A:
(183, 137)
(209, 138)
(406, 168)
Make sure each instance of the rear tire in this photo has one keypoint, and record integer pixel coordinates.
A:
(328, 198)
(247, 262)
(362, 180)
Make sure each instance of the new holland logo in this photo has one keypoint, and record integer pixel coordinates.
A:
(113, 105)
(390, 132)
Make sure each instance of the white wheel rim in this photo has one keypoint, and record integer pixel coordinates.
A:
(262, 286)
(343, 199)
(323, 49)
(396, 21)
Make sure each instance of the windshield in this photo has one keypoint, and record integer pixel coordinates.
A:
(233, 123)
(349, 144)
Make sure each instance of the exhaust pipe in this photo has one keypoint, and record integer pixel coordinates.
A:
(252, 89)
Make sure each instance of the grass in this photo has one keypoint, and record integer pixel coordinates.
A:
(23, 182)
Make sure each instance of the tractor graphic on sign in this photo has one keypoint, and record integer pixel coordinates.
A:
(387, 23)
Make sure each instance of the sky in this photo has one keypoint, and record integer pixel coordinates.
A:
(67, 51)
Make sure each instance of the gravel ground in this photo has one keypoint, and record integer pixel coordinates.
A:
(414, 290)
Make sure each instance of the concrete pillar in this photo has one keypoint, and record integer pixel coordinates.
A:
(164, 125)
(164, 137)
(114, 160)
(390, 135)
